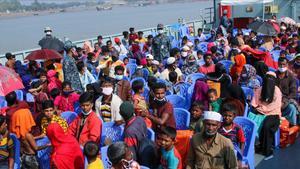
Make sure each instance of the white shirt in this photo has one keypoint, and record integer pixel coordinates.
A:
(121, 49)
(165, 74)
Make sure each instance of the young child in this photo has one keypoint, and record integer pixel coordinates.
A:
(39, 96)
(196, 123)
(49, 116)
(170, 157)
(214, 101)
(155, 69)
(139, 101)
(231, 130)
(91, 151)
(65, 101)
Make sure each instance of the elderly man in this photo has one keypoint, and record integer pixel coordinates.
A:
(209, 149)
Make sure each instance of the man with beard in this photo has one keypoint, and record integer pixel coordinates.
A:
(209, 149)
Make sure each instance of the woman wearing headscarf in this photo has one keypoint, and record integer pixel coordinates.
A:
(200, 93)
(220, 76)
(248, 77)
(236, 69)
(66, 152)
(235, 95)
(190, 66)
(267, 101)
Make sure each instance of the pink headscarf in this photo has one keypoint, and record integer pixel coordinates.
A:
(88, 47)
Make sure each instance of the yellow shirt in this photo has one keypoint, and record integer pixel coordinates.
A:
(97, 164)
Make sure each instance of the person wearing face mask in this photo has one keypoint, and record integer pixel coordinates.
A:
(120, 157)
(65, 101)
(209, 149)
(86, 126)
(104, 61)
(294, 65)
(108, 105)
(161, 45)
(163, 110)
(190, 65)
(69, 67)
(122, 88)
(171, 66)
(287, 84)
(209, 66)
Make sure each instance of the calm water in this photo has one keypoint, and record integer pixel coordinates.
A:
(25, 32)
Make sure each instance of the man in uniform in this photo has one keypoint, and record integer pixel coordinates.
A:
(161, 45)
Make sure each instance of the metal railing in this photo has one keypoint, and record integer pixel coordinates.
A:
(171, 30)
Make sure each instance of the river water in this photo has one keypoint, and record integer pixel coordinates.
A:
(25, 32)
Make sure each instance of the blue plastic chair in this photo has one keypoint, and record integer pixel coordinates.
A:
(17, 148)
(249, 128)
(95, 74)
(77, 108)
(121, 57)
(275, 54)
(145, 73)
(20, 95)
(69, 116)
(104, 157)
(43, 156)
(132, 61)
(176, 100)
(182, 118)
(272, 69)
(249, 93)
(194, 77)
(131, 67)
(151, 134)
(246, 110)
(203, 46)
(138, 78)
(277, 139)
(227, 64)
(112, 131)
(3, 102)
(29, 98)
(259, 79)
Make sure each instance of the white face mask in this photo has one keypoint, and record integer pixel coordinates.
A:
(184, 54)
(282, 69)
(160, 31)
(86, 113)
(107, 90)
(244, 75)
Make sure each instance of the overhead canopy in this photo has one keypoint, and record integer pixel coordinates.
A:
(244, 2)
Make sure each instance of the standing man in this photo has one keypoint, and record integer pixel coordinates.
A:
(71, 73)
(51, 42)
(224, 20)
(161, 44)
(209, 149)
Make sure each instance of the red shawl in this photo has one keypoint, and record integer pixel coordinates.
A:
(66, 153)
(264, 56)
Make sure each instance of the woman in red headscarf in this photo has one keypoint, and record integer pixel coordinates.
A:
(66, 153)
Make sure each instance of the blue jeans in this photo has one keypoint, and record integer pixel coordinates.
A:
(290, 113)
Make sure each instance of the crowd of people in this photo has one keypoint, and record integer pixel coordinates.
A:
(97, 82)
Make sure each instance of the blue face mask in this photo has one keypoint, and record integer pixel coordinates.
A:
(119, 77)
(67, 93)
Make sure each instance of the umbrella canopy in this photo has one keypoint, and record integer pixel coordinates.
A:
(43, 54)
(264, 28)
(288, 20)
(9, 81)
(275, 26)
(53, 43)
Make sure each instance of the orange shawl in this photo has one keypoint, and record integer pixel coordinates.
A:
(21, 122)
(240, 61)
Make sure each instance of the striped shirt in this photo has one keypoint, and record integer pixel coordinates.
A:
(5, 145)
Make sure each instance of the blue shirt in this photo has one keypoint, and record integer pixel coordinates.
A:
(170, 159)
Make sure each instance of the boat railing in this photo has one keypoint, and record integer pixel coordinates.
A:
(171, 30)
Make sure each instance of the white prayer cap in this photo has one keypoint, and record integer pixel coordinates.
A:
(149, 56)
(171, 60)
(155, 62)
(185, 48)
(211, 115)
(189, 44)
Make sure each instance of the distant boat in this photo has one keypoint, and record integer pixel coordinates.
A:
(35, 14)
(62, 10)
(103, 8)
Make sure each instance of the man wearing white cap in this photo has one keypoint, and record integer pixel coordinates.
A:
(51, 42)
(149, 59)
(209, 149)
(154, 68)
(171, 66)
